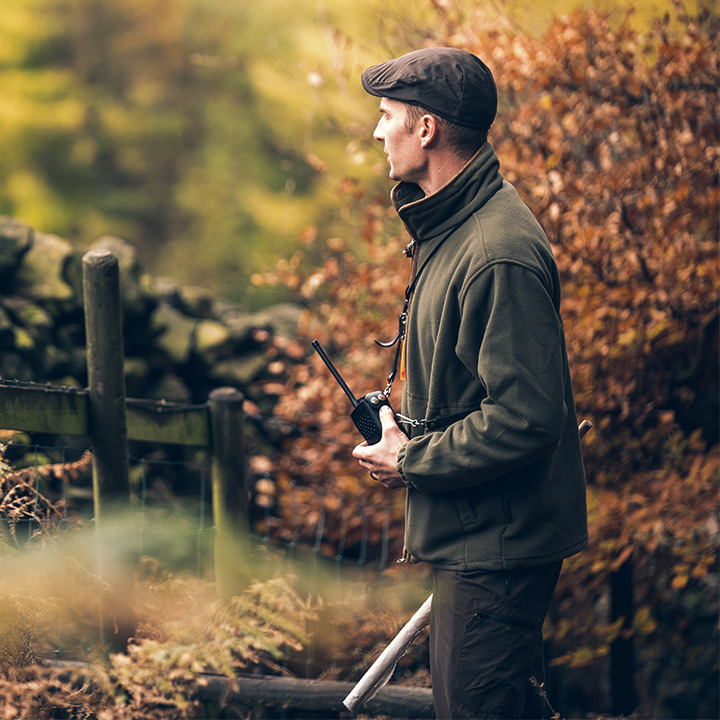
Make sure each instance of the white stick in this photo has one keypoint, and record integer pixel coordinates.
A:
(380, 671)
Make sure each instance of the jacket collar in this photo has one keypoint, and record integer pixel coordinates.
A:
(426, 217)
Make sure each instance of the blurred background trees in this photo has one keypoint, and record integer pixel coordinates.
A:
(196, 129)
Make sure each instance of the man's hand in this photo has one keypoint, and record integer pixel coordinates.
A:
(381, 459)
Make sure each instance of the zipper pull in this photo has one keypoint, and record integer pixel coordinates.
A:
(475, 618)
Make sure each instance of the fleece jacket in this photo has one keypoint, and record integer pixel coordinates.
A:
(504, 487)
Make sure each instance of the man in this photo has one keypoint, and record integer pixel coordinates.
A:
(494, 474)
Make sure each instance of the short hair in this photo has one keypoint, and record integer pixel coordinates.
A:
(464, 141)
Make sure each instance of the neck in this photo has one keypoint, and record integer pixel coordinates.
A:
(442, 168)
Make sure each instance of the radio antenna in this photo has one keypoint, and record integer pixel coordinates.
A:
(355, 402)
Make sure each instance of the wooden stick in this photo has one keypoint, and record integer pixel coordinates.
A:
(381, 670)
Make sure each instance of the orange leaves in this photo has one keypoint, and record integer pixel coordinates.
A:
(643, 622)
(670, 512)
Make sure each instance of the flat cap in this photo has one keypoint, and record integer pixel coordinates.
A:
(451, 83)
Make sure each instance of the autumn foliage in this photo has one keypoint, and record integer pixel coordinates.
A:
(611, 136)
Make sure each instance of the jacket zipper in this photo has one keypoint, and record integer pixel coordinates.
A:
(499, 618)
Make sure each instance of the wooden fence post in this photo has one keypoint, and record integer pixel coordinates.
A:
(106, 381)
(107, 425)
(229, 492)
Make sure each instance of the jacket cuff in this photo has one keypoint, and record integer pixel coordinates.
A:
(399, 466)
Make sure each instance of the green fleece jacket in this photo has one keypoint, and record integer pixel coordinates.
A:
(505, 486)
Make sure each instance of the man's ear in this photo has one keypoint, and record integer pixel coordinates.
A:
(428, 126)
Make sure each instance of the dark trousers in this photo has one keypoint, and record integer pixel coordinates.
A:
(486, 641)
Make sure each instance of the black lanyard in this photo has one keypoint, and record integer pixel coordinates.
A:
(411, 251)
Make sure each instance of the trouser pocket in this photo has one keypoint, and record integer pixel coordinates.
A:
(496, 617)
(496, 658)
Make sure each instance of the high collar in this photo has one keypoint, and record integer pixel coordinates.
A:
(427, 216)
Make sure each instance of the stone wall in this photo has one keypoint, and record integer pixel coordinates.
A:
(179, 342)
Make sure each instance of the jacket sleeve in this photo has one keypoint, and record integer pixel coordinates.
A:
(511, 340)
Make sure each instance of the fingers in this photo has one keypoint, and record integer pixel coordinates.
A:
(380, 459)
(392, 438)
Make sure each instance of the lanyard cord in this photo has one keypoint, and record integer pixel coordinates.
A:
(411, 251)
(397, 341)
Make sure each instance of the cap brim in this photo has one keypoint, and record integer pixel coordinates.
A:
(366, 82)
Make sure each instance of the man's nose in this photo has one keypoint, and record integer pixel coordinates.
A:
(377, 134)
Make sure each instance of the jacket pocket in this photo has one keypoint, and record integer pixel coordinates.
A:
(481, 506)
(468, 517)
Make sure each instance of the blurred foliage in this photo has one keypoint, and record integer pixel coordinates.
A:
(183, 632)
(195, 129)
(207, 133)
(611, 136)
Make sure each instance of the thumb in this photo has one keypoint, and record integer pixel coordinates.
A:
(390, 427)
(360, 451)
(387, 418)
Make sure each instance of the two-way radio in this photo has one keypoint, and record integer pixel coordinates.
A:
(366, 410)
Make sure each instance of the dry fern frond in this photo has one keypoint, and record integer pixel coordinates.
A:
(44, 693)
(186, 631)
(21, 500)
(53, 471)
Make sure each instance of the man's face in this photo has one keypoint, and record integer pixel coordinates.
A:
(405, 153)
